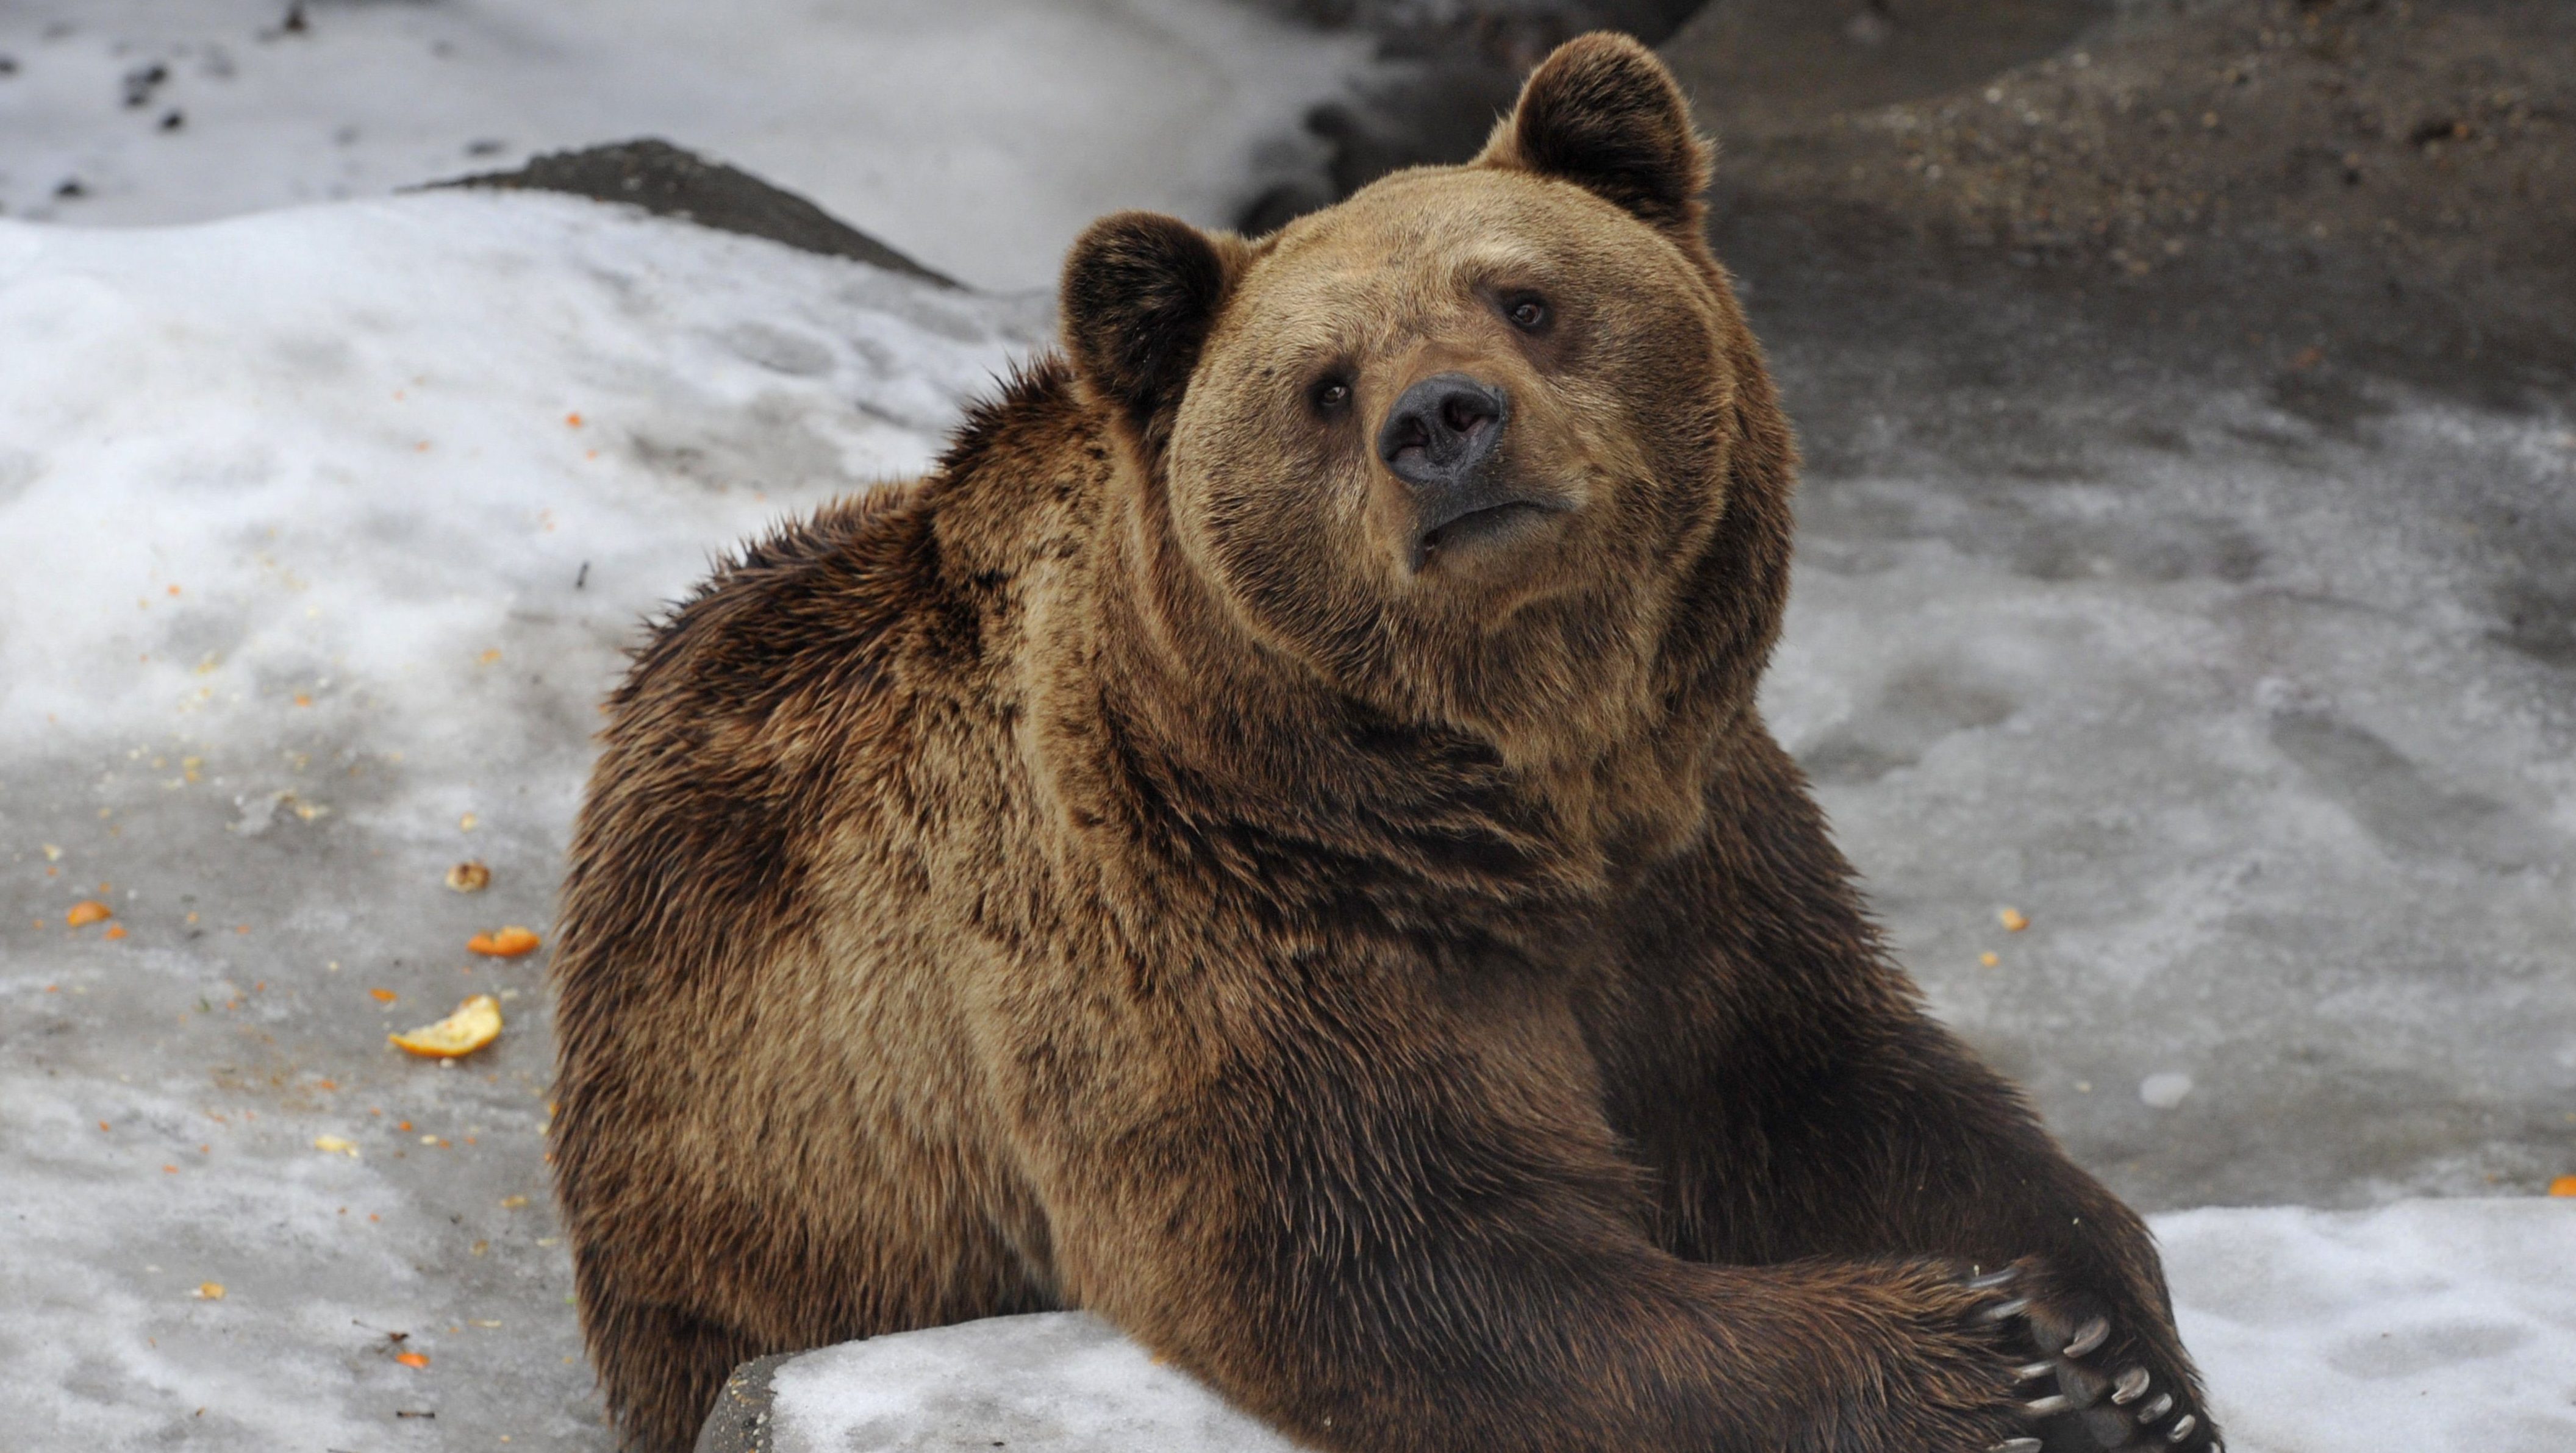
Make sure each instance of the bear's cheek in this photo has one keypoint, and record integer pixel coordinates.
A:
(1282, 530)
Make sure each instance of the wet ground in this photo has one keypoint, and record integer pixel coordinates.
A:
(2185, 564)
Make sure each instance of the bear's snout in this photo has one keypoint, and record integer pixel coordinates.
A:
(1441, 439)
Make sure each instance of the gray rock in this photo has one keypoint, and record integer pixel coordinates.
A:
(1057, 1382)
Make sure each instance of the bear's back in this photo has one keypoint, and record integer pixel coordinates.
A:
(808, 792)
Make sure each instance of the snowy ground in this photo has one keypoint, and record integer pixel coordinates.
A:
(320, 534)
(982, 133)
(2418, 1327)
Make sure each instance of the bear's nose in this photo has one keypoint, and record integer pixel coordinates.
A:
(1443, 430)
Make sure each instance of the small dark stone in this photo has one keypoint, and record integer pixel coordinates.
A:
(173, 120)
(142, 81)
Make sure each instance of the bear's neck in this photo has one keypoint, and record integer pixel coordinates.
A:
(1211, 755)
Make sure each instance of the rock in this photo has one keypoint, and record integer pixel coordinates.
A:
(659, 177)
(1056, 1382)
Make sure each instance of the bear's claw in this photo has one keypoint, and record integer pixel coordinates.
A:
(2122, 1411)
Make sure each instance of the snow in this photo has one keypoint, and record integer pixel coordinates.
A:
(2431, 1326)
(321, 532)
(2423, 1325)
(982, 133)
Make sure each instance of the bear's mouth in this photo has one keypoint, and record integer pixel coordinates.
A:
(1477, 524)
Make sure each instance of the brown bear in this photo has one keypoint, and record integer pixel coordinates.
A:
(1272, 842)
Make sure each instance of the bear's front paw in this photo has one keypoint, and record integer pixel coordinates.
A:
(2093, 1384)
(1971, 1376)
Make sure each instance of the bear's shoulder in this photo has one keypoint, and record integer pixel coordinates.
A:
(833, 607)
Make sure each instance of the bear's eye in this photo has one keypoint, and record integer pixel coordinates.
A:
(1331, 396)
(1527, 311)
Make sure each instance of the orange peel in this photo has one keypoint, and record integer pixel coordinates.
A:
(86, 912)
(509, 943)
(476, 1023)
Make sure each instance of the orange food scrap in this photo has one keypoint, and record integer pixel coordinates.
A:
(88, 911)
(303, 700)
(469, 876)
(1990, 958)
(115, 930)
(412, 1359)
(476, 1023)
(2013, 920)
(573, 420)
(212, 1291)
(509, 943)
(384, 996)
(2563, 1186)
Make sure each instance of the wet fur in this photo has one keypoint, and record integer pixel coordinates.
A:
(1009, 892)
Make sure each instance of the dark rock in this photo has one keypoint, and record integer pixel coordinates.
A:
(664, 179)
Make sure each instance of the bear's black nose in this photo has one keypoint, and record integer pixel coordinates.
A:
(1441, 432)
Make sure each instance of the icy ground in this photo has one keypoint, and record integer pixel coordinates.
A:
(982, 133)
(2417, 1327)
(320, 532)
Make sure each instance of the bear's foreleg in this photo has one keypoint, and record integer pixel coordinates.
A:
(1425, 1241)
(1899, 1142)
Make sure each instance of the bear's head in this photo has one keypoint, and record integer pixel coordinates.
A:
(1465, 446)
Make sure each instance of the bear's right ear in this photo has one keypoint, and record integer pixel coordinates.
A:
(1140, 292)
(1603, 113)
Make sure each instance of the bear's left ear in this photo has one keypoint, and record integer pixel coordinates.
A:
(1603, 113)
(1140, 292)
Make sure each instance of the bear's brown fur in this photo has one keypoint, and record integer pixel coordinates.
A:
(1297, 869)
